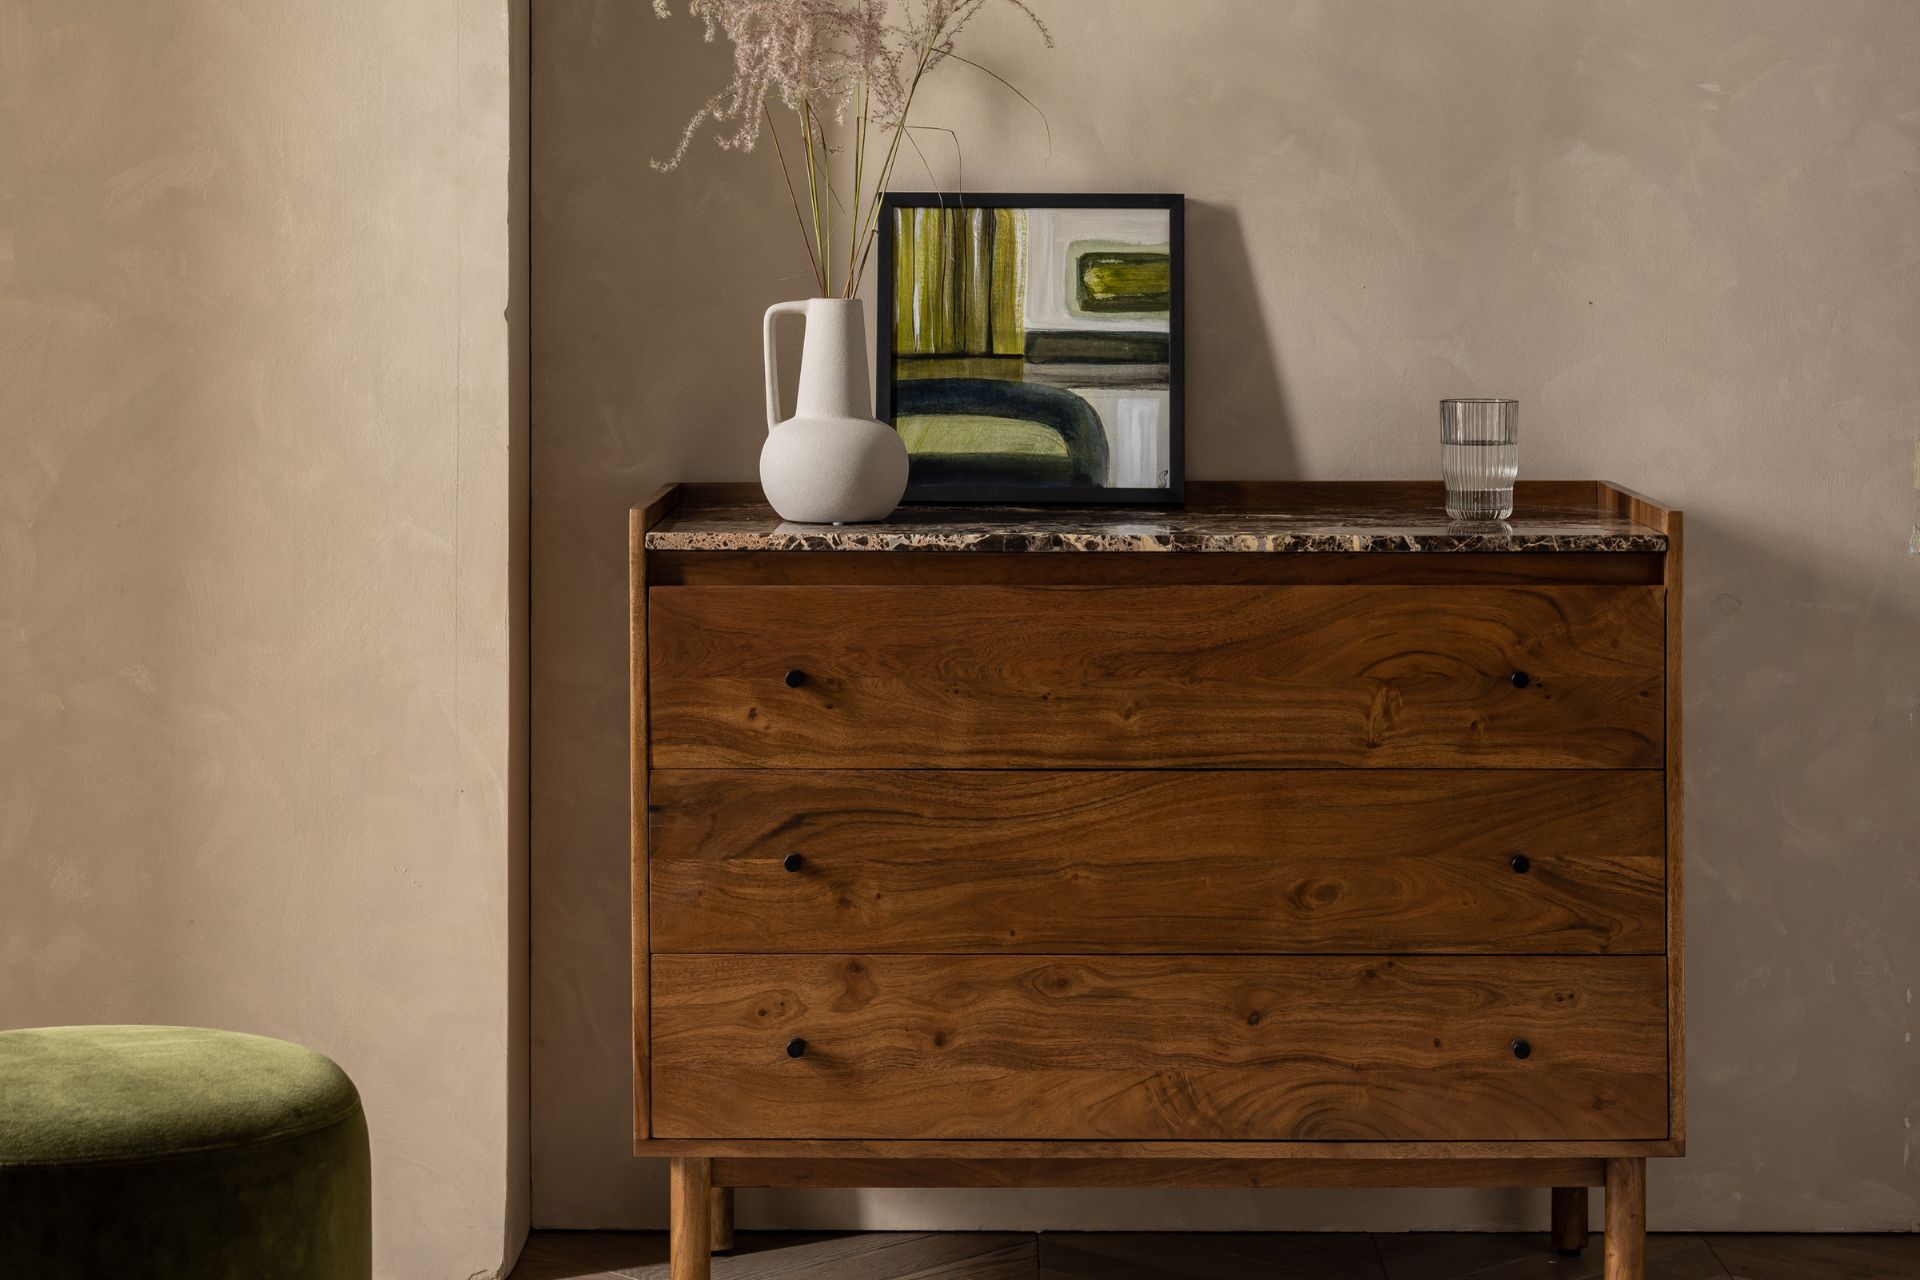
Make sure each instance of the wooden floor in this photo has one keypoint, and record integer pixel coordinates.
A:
(592, 1255)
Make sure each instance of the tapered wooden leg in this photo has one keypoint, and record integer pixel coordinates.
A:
(1626, 1243)
(720, 1215)
(1569, 1220)
(691, 1187)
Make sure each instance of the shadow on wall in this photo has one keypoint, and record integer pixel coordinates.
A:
(520, 560)
(1800, 690)
(1234, 392)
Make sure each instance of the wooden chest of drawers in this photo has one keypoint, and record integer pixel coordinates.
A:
(1337, 847)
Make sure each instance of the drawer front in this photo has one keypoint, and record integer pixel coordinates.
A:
(1160, 1048)
(1354, 861)
(1038, 677)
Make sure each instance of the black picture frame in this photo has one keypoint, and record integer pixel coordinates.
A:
(885, 388)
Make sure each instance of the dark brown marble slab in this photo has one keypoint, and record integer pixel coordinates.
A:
(754, 527)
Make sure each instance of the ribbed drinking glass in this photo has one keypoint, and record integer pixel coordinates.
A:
(1479, 457)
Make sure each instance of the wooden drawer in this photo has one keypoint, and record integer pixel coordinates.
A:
(1167, 861)
(1039, 677)
(1168, 1047)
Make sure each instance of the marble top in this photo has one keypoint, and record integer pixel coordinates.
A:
(736, 526)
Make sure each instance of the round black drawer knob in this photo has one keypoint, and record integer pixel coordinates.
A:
(1522, 1050)
(796, 1047)
(1520, 679)
(793, 862)
(1520, 863)
(796, 678)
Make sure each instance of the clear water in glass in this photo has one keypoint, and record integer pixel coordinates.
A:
(1479, 457)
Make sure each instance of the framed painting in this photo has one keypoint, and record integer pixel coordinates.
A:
(1031, 346)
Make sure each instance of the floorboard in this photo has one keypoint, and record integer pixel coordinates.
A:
(1211, 1256)
(1818, 1257)
(1452, 1256)
(1069, 1255)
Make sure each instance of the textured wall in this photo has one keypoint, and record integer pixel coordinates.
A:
(259, 457)
(1686, 236)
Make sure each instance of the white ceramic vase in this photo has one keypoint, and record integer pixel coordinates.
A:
(831, 462)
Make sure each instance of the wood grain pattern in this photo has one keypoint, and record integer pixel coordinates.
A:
(1188, 1047)
(1827, 1257)
(689, 1192)
(639, 520)
(784, 1255)
(1258, 861)
(991, 677)
(1041, 1172)
(1519, 1256)
(1644, 510)
(1211, 1255)
(1676, 837)
(813, 1255)
(720, 1220)
(1091, 685)
(1637, 507)
(611, 1255)
(1626, 1236)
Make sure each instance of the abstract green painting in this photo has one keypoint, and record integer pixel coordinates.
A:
(1031, 346)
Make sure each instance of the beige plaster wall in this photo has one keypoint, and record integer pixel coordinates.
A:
(1685, 235)
(262, 558)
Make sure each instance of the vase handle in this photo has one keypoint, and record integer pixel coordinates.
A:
(773, 365)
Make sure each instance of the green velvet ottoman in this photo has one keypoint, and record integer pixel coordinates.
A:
(173, 1152)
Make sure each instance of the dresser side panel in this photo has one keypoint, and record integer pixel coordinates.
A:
(639, 520)
(1644, 510)
(1676, 834)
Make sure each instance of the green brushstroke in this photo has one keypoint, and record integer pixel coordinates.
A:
(1124, 283)
(1004, 368)
(939, 278)
(906, 328)
(975, 267)
(1009, 281)
(954, 434)
(958, 281)
(926, 278)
